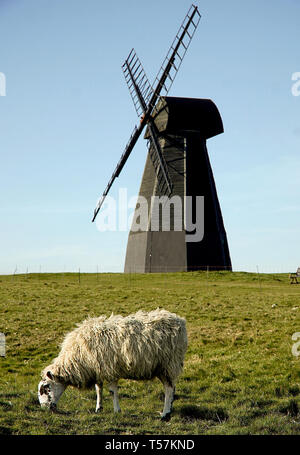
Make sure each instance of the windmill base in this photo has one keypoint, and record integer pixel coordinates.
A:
(150, 252)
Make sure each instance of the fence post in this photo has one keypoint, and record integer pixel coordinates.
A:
(258, 277)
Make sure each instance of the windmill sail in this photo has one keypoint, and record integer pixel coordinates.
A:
(140, 87)
(169, 69)
(138, 84)
(145, 98)
(131, 143)
(158, 160)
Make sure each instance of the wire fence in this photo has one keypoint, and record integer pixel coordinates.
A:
(94, 274)
(161, 282)
(98, 269)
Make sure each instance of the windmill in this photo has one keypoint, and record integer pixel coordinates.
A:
(177, 165)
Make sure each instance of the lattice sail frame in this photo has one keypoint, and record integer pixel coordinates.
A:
(135, 76)
(145, 97)
(179, 48)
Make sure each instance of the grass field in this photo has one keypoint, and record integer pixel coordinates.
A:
(240, 376)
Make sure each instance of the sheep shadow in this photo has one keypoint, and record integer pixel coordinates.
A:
(193, 412)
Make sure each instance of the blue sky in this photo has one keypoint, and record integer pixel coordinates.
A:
(67, 116)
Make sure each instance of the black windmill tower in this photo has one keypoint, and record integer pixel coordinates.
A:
(177, 164)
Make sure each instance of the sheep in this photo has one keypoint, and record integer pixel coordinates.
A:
(139, 346)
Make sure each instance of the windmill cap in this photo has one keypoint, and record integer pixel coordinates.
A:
(178, 116)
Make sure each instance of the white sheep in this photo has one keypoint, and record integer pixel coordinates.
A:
(139, 346)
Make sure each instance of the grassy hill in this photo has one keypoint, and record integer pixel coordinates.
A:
(240, 376)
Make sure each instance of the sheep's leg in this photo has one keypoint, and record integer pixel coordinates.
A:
(169, 398)
(113, 388)
(99, 392)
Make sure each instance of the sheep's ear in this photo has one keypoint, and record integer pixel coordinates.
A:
(42, 390)
(50, 375)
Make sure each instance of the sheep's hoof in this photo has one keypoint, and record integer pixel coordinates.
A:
(166, 417)
(99, 409)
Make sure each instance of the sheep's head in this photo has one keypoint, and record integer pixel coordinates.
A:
(50, 391)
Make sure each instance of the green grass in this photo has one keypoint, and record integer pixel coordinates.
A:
(240, 376)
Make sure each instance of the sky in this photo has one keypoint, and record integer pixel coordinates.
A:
(67, 115)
